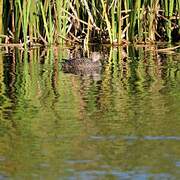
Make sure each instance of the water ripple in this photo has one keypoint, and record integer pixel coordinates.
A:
(135, 138)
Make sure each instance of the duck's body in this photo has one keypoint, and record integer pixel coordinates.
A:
(81, 63)
(83, 66)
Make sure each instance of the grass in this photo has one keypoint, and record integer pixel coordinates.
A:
(82, 21)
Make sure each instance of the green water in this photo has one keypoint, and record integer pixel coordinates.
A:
(122, 124)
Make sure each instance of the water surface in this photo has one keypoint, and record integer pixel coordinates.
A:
(123, 123)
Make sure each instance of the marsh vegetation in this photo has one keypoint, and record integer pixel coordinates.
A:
(81, 21)
(118, 119)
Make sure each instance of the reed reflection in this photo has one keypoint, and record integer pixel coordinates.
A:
(64, 124)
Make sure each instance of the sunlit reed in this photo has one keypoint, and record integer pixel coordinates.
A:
(112, 22)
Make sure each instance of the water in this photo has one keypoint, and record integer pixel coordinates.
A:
(123, 123)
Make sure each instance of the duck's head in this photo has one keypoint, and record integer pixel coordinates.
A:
(96, 56)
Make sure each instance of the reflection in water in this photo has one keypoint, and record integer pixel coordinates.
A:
(56, 125)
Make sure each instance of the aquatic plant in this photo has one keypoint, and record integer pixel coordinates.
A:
(82, 21)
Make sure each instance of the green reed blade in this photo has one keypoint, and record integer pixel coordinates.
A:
(1, 21)
(107, 20)
(119, 21)
(114, 22)
(44, 21)
(50, 26)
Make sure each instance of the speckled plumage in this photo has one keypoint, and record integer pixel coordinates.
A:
(82, 65)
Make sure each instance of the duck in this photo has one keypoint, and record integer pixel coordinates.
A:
(83, 65)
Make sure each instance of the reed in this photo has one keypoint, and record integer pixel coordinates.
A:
(61, 21)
